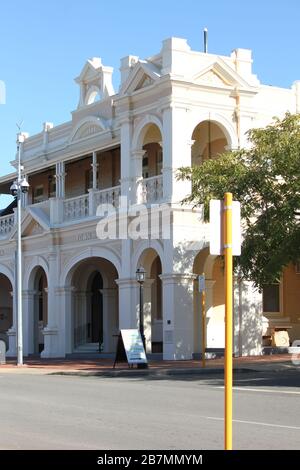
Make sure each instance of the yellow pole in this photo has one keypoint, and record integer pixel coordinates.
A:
(203, 328)
(228, 318)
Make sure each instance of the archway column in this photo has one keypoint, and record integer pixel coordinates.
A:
(66, 301)
(12, 332)
(110, 318)
(209, 305)
(249, 310)
(52, 330)
(147, 307)
(176, 152)
(127, 315)
(28, 321)
(178, 315)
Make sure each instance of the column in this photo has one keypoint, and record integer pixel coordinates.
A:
(178, 316)
(126, 173)
(110, 319)
(237, 317)
(51, 331)
(251, 319)
(66, 302)
(94, 188)
(60, 180)
(177, 152)
(147, 307)
(12, 332)
(209, 304)
(138, 196)
(29, 321)
(127, 314)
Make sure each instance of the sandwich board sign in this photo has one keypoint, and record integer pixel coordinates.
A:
(130, 348)
(216, 219)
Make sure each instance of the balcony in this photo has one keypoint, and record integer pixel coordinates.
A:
(7, 223)
(58, 212)
(80, 207)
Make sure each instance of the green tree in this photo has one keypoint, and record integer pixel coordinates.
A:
(266, 180)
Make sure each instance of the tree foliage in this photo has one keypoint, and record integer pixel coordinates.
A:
(266, 180)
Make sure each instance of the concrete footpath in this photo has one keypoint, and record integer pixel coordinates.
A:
(104, 367)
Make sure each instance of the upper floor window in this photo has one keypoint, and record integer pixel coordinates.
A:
(38, 194)
(271, 298)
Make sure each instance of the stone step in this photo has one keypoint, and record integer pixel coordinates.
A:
(87, 347)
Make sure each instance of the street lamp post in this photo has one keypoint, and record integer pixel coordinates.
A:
(17, 188)
(140, 277)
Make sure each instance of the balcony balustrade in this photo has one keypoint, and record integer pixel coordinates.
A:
(7, 223)
(150, 190)
(59, 211)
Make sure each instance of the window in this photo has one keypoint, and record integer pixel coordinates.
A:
(271, 298)
(38, 194)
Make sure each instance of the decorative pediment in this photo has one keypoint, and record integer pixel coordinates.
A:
(87, 130)
(34, 222)
(212, 78)
(34, 228)
(221, 75)
(146, 81)
(142, 75)
(87, 127)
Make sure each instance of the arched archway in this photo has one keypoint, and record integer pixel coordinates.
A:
(94, 319)
(212, 268)
(6, 307)
(153, 306)
(209, 141)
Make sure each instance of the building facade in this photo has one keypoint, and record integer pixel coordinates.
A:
(122, 149)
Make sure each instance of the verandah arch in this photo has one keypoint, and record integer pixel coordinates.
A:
(92, 314)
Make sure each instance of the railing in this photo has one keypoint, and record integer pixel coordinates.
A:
(150, 189)
(108, 196)
(6, 225)
(76, 207)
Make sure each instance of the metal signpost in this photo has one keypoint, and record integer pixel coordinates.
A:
(224, 216)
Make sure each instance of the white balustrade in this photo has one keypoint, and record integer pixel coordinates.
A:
(150, 190)
(76, 207)
(6, 225)
(108, 196)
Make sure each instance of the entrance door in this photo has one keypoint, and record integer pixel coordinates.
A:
(95, 334)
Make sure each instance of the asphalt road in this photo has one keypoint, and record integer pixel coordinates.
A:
(67, 412)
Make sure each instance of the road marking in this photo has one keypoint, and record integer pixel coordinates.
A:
(257, 423)
(264, 390)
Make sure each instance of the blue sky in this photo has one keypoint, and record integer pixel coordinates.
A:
(43, 46)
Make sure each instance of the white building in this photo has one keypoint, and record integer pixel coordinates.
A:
(174, 109)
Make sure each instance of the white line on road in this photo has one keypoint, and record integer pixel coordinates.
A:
(256, 423)
(264, 390)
